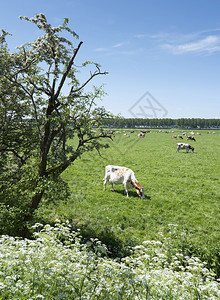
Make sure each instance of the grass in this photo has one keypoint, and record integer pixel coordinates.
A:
(180, 188)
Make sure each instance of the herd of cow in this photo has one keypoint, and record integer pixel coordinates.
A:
(125, 176)
(180, 146)
(185, 146)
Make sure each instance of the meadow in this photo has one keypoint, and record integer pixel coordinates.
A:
(103, 245)
(180, 188)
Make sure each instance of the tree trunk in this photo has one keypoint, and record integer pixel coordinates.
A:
(25, 232)
(35, 202)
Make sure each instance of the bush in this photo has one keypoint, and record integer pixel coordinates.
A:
(57, 265)
(11, 220)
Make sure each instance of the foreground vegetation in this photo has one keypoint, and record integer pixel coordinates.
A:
(46, 268)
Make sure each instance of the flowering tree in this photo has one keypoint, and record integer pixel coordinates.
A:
(42, 107)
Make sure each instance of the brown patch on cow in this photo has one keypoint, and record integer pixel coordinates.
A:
(136, 185)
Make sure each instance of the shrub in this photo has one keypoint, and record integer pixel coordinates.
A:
(56, 265)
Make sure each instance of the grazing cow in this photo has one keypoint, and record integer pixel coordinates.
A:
(174, 136)
(141, 135)
(110, 131)
(125, 176)
(184, 146)
(180, 137)
(191, 138)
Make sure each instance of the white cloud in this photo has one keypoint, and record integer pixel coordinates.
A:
(121, 44)
(101, 49)
(208, 44)
(118, 45)
(200, 42)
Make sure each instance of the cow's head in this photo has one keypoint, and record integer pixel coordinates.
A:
(140, 192)
(192, 148)
(139, 189)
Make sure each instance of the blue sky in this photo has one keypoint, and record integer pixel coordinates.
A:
(163, 54)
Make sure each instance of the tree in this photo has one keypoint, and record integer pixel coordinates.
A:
(42, 107)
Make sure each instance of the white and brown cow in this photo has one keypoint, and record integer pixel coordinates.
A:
(191, 138)
(184, 146)
(125, 176)
(141, 135)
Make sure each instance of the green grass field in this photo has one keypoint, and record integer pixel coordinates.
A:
(180, 188)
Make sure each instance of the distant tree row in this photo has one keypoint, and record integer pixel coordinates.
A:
(194, 123)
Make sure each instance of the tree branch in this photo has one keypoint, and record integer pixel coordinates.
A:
(90, 78)
(15, 153)
(36, 117)
(40, 89)
(67, 71)
(62, 167)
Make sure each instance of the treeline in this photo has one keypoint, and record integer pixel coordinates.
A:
(194, 123)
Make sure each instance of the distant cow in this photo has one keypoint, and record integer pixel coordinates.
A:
(110, 131)
(174, 136)
(191, 138)
(125, 176)
(141, 135)
(184, 146)
(180, 137)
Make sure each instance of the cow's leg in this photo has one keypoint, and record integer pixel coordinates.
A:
(112, 186)
(126, 188)
(105, 181)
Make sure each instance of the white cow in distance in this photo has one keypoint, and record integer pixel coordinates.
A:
(141, 135)
(125, 176)
(184, 146)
